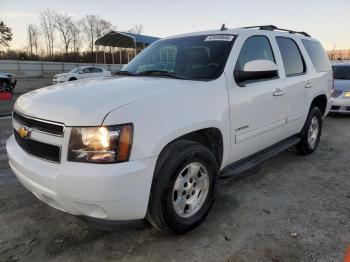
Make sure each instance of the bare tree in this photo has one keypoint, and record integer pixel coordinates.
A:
(76, 38)
(137, 29)
(5, 34)
(47, 22)
(88, 25)
(32, 35)
(102, 27)
(93, 27)
(64, 24)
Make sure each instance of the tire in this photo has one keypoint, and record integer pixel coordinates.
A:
(308, 144)
(172, 174)
(72, 79)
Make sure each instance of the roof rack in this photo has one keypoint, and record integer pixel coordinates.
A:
(273, 28)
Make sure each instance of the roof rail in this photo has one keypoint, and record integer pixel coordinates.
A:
(273, 28)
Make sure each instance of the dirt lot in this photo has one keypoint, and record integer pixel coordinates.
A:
(292, 208)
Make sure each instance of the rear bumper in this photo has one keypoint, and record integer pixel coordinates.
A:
(103, 191)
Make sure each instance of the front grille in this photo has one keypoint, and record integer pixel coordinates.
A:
(336, 93)
(39, 149)
(40, 125)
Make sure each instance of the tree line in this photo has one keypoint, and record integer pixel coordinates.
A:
(61, 37)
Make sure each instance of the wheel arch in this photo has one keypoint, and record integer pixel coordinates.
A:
(210, 137)
(321, 102)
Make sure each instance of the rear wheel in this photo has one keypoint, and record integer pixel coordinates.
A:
(311, 133)
(183, 187)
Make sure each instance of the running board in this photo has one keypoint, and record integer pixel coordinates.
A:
(252, 161)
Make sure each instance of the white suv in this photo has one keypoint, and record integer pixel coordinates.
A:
(185, 111)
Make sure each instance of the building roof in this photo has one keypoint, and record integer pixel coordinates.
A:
(125, 40)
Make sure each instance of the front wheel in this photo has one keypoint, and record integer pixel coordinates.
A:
(311, 133)
(183, 187)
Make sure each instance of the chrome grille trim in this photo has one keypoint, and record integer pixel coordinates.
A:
(52, 128)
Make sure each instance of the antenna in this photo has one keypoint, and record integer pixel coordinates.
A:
(223, 28)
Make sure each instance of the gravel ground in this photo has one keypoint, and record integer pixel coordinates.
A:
(292, 208)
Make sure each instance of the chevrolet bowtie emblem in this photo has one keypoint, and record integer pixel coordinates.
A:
(23, 132)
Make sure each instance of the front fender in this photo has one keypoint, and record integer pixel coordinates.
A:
(162, 118)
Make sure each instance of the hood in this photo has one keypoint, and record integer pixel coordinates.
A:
(86, 103)
(60, 75)
(342, 85)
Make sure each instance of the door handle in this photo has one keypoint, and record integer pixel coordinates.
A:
(278, 92)
(309, 85)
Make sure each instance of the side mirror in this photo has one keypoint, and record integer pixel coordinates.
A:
(80, 72)
(256, 70)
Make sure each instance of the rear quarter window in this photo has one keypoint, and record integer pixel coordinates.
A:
(317, 55)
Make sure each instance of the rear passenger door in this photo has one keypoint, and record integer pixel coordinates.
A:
(96, 72)
(85, 73)
(296, 83)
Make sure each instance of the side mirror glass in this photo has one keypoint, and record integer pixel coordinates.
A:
(256, 70)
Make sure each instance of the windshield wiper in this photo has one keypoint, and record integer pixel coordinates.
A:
(160, 73)
(125, 73)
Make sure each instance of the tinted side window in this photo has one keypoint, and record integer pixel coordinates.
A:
(317, 55)
(291, 56)
(255, 48)
(96, 70)
(87, 70)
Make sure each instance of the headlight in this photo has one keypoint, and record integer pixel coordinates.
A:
(347, 94)
(105, 144)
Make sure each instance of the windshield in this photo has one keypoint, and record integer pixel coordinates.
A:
(341, 72)
(75, 70)
(194, 57)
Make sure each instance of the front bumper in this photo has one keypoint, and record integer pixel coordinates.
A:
(340, 105)
(103, 191)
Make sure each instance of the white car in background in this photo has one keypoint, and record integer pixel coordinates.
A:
(82, 72)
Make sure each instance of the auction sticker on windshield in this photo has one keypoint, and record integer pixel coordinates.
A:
(228, 38)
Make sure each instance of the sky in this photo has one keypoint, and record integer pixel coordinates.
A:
(328, 21)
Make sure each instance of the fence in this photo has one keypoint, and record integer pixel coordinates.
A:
(339, 61)
(45, 68)
(48, 69)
